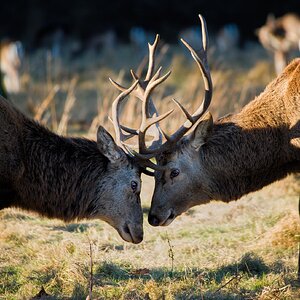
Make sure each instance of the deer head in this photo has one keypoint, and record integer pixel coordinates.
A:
(120, 154)
(123, 209)
(175, 172)
(177, 185)
(120, 204)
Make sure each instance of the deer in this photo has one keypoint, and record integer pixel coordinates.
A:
(11, 56)
(280, 36)
(70, 178)
(223, 160)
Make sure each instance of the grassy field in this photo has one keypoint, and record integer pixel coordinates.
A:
(243, 250)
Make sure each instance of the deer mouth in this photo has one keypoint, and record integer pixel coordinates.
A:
(154, 220)
(169, 219)
(131, 234)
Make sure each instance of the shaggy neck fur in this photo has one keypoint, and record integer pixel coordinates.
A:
(61, 176)
(241, 161)
(259, 145)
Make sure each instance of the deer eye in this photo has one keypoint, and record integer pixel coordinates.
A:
(134, 185)
(174, 173)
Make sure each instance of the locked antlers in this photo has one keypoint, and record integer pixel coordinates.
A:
(142, 89)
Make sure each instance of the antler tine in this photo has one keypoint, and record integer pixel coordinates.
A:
(144, 160)
(151, 165)
(146, 123)
(153, 120)
(149, 113)
(201, 60)
(205, 72)
(204, 69)
(205, 40)
(151, 64)
(134, 75)
(153, 83)
(120, 136)
(133, 132)
(184, 111)
(117, 85)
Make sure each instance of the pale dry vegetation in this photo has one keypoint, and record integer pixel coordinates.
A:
(243, 250)
(78, 89)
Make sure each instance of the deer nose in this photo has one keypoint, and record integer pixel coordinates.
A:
(154, 221)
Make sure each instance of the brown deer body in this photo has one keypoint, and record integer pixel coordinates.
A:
(225, 160)
(67, 178)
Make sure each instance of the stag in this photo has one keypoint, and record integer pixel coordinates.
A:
(11, 55)
(226, 159)
(69, 178)
(280, 36)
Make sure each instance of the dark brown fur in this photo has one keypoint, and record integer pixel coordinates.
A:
(66, 178)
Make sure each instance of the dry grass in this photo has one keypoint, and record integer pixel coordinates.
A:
(235, 84)
(241, 250)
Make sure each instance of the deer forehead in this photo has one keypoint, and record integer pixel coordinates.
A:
(128, 173)
(183, 155)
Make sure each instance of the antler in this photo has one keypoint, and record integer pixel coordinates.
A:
(201, 60)
(120, 136)
(143, 92)
(141, 89)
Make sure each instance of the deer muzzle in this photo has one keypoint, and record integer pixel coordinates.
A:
(131, 233)
(164, 220)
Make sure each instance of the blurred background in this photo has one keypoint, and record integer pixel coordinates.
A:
(31, 20)
(56, 56)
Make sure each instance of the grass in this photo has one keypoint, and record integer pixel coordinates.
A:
(81, 94)
(246, 249)
(242, 250)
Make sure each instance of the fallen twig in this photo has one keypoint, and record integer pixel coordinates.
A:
(235, 277)
(171, 253)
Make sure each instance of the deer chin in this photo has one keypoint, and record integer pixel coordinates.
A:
(171, 217)
(173, 214)
(131, 234)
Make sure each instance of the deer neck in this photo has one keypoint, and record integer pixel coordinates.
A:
(240, 159)
(61, 175)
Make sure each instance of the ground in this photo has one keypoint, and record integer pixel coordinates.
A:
(246, 249)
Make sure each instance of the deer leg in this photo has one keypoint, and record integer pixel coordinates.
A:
(280, 58)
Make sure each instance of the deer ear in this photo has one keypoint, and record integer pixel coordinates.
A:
(202, 131)
(107, 145)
